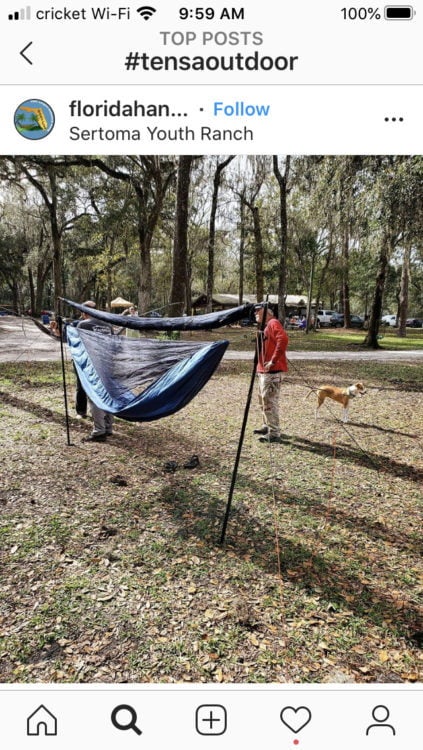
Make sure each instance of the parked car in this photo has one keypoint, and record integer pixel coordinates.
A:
(389, 320)
(324, 316)
(337, 321)
(7, 311)
(414, 323)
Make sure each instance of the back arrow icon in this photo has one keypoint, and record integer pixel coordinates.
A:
(23, 55)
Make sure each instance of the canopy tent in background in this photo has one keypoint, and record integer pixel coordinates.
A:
(186, 323)
(120, 302)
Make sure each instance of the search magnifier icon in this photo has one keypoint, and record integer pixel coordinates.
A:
(125, 721)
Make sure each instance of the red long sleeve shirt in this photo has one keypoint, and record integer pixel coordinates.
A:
(273, 343)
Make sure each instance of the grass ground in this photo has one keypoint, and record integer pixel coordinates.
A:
(325, 339)
(112, 570)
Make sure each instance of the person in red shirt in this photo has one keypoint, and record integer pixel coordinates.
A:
(272, 344)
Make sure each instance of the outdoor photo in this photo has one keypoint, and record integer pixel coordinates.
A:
(211, 402)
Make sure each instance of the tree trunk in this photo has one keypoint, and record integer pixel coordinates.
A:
(16, 297)
(212, 232)
(258, 253)
(43, 270)
(109, 275)
(241, 251)
(32, 304)
(52, 207)
(56, 238)
(180, 245)
(322, 276)
(371, 339)
(283, 197)
(345, 277)
(310, 296)
(403, 296)
(145, 272)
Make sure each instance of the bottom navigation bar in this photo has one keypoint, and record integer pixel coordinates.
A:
(316, 717)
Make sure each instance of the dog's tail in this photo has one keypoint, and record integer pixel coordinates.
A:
(312, 390)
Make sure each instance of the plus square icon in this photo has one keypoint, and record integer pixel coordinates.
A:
(211, 719)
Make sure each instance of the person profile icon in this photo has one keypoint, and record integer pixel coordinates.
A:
(380, 715)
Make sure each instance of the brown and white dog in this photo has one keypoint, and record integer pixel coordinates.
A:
(341, 395)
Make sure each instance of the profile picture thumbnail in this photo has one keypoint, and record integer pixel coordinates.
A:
(34, 119)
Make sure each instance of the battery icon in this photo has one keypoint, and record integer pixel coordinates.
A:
(399, 12)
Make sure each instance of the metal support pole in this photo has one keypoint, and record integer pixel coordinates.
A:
(243, 427)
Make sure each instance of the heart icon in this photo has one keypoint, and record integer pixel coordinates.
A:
(295, 718)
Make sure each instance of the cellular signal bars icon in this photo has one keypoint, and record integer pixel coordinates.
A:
(24, 14)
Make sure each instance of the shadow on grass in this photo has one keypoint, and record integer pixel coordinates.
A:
(201, 515)
(358, 456)
(384, 430)
(197, 512)
(39, 411)
(165, 449)
(319, 509)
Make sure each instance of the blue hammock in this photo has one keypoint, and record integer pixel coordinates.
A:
(116, 372)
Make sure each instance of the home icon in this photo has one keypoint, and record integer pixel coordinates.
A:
(41, 721)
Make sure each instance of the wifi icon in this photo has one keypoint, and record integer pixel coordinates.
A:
(146, 11)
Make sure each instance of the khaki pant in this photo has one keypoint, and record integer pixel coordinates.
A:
(269, 390)
(103, 421)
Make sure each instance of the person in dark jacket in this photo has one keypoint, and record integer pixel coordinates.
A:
(103, 420)
(81, 401)
(272, 344)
